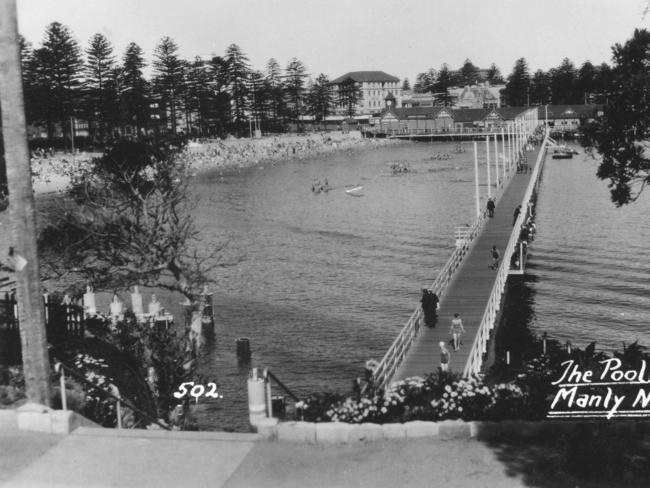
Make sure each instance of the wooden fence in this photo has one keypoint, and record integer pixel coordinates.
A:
(62, 320)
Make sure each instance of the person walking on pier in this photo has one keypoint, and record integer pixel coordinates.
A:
(444, 356)
(429, 302)
(516, 214)
(495, 257)
(457, 331)
(490, 207)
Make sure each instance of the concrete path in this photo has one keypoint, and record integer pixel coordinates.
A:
(92, 457)
(104, 457)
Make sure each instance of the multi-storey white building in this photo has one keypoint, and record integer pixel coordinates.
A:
(375, 87)
(481, 95)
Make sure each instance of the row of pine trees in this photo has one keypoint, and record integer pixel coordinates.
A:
(563, 85)
(204, 97)
(222, 94)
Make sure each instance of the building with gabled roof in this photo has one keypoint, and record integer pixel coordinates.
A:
(377, 88)
(444, 119)
(366, 77)
(568, 118)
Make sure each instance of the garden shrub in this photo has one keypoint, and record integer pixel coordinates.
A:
(440, 396)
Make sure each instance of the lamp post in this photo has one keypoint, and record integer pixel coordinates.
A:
(487, 155)
(496, 161)
(503, 151)
(478, 201)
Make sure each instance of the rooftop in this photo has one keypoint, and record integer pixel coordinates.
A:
(366, 76)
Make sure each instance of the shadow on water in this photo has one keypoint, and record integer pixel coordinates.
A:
(513, 334)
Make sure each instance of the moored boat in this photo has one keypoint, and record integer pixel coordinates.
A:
(563, 152)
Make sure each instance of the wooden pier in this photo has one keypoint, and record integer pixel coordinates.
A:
(470, 291)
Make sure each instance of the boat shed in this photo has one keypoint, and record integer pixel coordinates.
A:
(569, 118)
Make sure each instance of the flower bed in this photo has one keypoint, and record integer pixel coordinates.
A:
(440, 396)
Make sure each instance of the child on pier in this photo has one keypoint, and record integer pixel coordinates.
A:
(444, 356)
(457, 331)
(494, 253)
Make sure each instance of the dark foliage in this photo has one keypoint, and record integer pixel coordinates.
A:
(621, 135)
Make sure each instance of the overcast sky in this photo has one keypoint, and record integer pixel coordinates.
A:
(333, 37)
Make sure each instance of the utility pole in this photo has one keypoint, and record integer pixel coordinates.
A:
(36, 364)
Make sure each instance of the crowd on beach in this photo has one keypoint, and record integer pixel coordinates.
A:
(52, 170)
(242, 153)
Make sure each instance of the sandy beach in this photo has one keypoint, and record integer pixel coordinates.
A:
(53, 174)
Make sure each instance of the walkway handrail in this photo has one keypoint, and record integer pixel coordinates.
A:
(479, 347)
(400, 346)
(60, 367)
(268, 375)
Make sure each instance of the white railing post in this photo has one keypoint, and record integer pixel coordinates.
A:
(267, 394)
(116, 392)
(58, 368)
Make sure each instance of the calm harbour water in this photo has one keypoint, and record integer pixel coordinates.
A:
(323, 282)
(590, 260)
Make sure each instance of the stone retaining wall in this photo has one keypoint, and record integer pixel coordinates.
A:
(343, 433)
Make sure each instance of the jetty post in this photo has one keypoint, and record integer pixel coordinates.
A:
(256, 398)
(243, 349)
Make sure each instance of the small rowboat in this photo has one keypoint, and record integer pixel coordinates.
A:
(355, 192)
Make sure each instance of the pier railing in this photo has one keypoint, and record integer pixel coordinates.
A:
(479, 347)
(402, 343)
